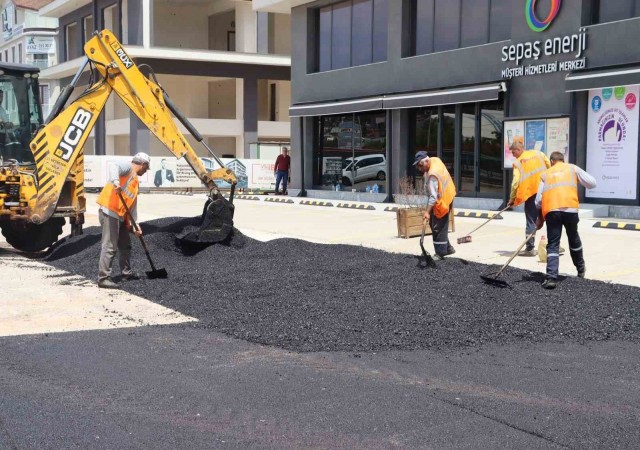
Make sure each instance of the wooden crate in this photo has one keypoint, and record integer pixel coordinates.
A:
(410, 222)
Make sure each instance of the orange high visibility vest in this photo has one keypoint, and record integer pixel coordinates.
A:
(560, 188)
(446, 188)
(531, 165)
(110, 199)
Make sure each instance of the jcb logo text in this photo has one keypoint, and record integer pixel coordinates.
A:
(73, 134)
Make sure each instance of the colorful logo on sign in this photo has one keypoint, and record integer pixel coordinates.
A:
(532, 19)
(596, 103)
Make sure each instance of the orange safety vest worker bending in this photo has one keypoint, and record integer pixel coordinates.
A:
(441, 191)
(527, 170)
(557, 201)
(123, 178)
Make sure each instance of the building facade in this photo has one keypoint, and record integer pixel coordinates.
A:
(375, 81)
(28, 38)
(225, 66)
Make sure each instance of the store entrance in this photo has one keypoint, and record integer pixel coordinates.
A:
(468, 138)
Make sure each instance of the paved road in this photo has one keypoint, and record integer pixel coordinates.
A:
(167, 387)
(84, 368)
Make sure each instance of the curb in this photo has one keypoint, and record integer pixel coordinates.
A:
(278, 200)
(355, 206)
(391, 209)
(245, 197)
(617, 225)
(477, 215)
(315, 203)
(182, 193)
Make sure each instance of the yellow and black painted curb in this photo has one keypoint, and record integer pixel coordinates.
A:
(391, 209)
(355, 206)
(278, 200)
(246, 197)
(478, 215)
(315, 203)
(182, 193)
(617, 225)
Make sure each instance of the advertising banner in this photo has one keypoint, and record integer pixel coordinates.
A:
(172, 173)
(558, 137)
(612, 142)
(535, 133)
(513, 130)
(40, 44)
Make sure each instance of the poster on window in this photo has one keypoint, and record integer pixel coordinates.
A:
(535, 135)
(513, 131)
(40, 45)
(558, 137)
(612, 142)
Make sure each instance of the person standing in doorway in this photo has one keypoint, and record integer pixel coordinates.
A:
(123, 179)
(558, 205)
(527, 170)
(281, 170)
(441, 192)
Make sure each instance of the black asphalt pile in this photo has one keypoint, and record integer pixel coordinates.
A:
(311, 297)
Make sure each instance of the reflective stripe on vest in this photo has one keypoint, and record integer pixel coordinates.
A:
(110, 199)
(560, 188)
(446, 188)
(531, 165)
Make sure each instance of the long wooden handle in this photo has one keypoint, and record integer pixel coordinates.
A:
(135, 225)
(516, 253)
(486, 222)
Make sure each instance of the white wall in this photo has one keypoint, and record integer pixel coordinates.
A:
(246, 28)
(222, 99)
(180, 26)
(219, 26)
(190, 94)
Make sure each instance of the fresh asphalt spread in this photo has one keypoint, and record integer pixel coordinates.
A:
(304, 297)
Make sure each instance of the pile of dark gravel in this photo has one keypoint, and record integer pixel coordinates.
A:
(311, 297)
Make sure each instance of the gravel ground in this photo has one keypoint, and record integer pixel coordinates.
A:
(312, 297)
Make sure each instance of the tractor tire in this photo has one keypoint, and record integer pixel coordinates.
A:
(30, 237)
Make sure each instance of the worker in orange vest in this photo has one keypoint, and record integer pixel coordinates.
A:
(558, 205)
(123, 178)
(527, 170)
(441, 192)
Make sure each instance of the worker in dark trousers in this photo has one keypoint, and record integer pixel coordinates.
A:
(441, 192)
(527, 170)
(558, 205)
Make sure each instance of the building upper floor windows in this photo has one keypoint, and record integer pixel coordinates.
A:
(351, 33)
(441, 25)
(610, 11)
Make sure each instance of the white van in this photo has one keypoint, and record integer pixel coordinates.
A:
(367, 167)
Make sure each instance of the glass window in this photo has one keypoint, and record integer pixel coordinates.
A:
(447, 25)
(72, 47)
(379, 30)
(490, 163)
(425, 138)
(21, 116)
(423, 26)
(350, 152)
(468, 147)
(449, 137)
(361, 34)
(88, 28)
(500, 20)
(613, 10)
(475, 22)
(341, 36)
(324, 39)
(352, 33)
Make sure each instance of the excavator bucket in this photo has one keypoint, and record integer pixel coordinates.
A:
(216, 224)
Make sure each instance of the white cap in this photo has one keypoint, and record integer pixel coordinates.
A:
(141, 158)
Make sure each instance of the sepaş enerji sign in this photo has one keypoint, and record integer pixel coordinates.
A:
(524, 54)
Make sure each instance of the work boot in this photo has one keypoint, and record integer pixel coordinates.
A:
(581, 271)
(532, 252)
(549, 283)
(437, 257)
(131, 276)
(451, 250)
(107, 283)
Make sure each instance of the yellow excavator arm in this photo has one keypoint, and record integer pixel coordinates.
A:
(57, 147)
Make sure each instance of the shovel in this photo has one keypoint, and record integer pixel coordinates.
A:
(467, 238)
(492, 278)
(154, 273)
(427, 257)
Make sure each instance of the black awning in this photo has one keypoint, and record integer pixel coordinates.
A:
(469, 94)
(596, 79)
(336, 107)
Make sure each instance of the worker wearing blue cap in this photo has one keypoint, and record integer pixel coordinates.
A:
(441, 192)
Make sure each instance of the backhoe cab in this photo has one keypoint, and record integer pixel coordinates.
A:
(42, 163)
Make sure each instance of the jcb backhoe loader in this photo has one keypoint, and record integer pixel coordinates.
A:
(42, 178)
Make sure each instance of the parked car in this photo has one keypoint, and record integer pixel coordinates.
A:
(363, 168)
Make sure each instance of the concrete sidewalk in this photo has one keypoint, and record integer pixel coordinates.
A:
(611, 255)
